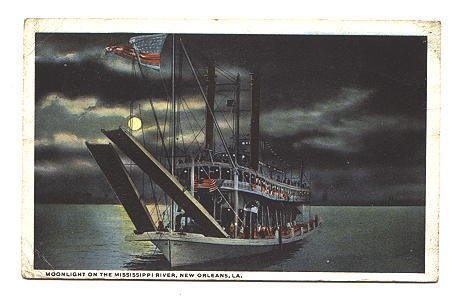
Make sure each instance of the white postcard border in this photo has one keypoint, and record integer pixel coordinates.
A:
(431, 29)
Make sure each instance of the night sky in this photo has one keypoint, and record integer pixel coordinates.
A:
(352, 107)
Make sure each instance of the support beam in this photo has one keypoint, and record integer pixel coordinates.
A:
(210, 96)
(237, 115)
(236, 202)
(192, 177)
(255, 122)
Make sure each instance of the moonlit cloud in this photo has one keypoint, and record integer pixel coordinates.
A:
(73, 106)
(330, 143)
(59, 53)
(314, 115)
(332, 124)
(66, 140)
(73, 165)
(359, 131)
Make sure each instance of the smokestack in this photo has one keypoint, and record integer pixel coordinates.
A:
(210, 95)
(302, 172)
(255, 121)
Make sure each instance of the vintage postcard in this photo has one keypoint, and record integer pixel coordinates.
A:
(234, 150)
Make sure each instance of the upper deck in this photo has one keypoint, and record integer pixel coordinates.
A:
(250, 181)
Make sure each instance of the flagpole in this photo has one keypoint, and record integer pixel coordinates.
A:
(173, 128)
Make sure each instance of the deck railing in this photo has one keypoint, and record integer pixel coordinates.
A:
(260, 184)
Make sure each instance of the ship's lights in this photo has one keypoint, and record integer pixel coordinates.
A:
(134, 123)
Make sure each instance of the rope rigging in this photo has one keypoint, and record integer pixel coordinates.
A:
(160, 135)
(198, 52)
(153, 193)
(158, 127)
(190, 123)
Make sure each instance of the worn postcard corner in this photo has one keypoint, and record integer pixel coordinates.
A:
(272, 150)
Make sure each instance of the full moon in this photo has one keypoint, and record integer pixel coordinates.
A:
(134, 123)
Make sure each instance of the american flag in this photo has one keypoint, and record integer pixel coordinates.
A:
(206, 183)
(146, 48)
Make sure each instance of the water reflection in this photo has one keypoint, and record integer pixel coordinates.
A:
(156, 261)
(149, 262)
(354, 239)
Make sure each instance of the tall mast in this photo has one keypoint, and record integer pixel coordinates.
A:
(173, 107)
(255, 122)
(173, 148)
(236, 151)
(302, 172)
(237, 112)
(210, 96)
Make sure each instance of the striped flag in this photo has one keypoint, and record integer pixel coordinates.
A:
(146, 48)
(206, 183)
(210, 184)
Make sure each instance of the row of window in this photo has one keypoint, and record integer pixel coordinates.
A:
(258, 183)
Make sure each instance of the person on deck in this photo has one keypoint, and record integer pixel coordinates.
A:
(160, 226)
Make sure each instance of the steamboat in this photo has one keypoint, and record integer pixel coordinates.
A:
(222, 201)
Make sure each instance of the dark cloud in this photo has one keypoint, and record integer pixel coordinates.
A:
(58, 154)
(353, 108)
(91, 78)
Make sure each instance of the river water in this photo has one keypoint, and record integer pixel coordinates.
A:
(351, 239)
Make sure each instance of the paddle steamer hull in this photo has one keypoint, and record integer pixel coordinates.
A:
(184, 249)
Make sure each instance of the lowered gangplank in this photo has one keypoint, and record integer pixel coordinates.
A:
(123, 186)
(226, 203)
